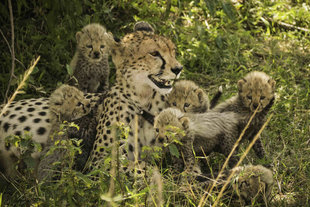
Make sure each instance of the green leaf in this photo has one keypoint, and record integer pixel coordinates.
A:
(174, 150)
(69, 70)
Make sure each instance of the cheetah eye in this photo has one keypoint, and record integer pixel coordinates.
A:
(174, 104)
(262, 97)
(79, 104)
(155, 54)
(249, 97)
(157, 130)
(101, 46)
(186, 105)
(89, 46)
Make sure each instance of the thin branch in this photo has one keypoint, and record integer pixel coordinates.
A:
(6, 41)
(12, 49)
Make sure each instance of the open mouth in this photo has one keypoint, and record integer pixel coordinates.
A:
(160, 83)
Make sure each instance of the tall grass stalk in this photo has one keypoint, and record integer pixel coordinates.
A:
(208, 192)
(241, 159)
(20, 85)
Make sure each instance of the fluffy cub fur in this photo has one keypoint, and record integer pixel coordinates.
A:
(190, 98)
(206, 132)
(251, 184)
(67, 103)
(90, 62)
(256, 89)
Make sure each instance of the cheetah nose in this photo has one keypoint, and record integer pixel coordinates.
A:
(255, 105)
(177, 70)
(96, 54)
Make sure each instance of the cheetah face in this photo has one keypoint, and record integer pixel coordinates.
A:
(253, 183)
(169, 124)
(188, 97)
(92, 43)
(256, 90)
(69, 103)
(147, 59)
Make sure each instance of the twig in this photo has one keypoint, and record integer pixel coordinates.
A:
(288, 26)
(12, 49)
(207, 193)
(241, 159)
(6, 41)
(22, 83)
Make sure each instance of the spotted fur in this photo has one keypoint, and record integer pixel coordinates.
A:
(256, 89)
(90, 63)
(205, 133)
(146, 68)
(66, 103)
(33, 116)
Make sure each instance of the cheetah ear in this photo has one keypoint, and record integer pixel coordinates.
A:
(185, 122)
(143, 26)
(272, 83)
(78, 36)
(200, 94)
(240, 84)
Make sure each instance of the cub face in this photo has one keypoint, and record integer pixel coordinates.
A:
(91, 42)
(170, 120)
(256, 89)
(188, 97)
(69, 103)
(253, 183)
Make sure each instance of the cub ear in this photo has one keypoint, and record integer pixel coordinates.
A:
(200, 94)
(185, 122)
(240, 84)
(78, 36)
(272, 83)
(143, 26)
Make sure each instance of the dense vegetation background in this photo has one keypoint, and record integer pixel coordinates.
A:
(218, 43)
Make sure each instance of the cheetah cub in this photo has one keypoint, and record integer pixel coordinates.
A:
(250, 184)
(190, 98)
(205, 133)
(90, 62)
(256, 89)
(67, 103)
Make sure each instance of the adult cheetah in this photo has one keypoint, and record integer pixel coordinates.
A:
(146, 68)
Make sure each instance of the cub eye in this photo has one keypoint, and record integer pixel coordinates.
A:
(186, 105)
(262, 97)
(249, 97)
(101, 46)
(174, 104)
(155, 54)
(89, 46)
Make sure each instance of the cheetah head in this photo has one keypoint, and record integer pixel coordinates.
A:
(188, 97)
(69, 103)
(91, 42)
(143, 58)
(256, 89)
(252, 183)
(170, 123)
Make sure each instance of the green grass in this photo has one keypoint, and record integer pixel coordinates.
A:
(218, 43)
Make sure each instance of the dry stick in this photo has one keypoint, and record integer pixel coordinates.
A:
(12, 50)
(241, 159)
(22, 83)
(226, 161)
